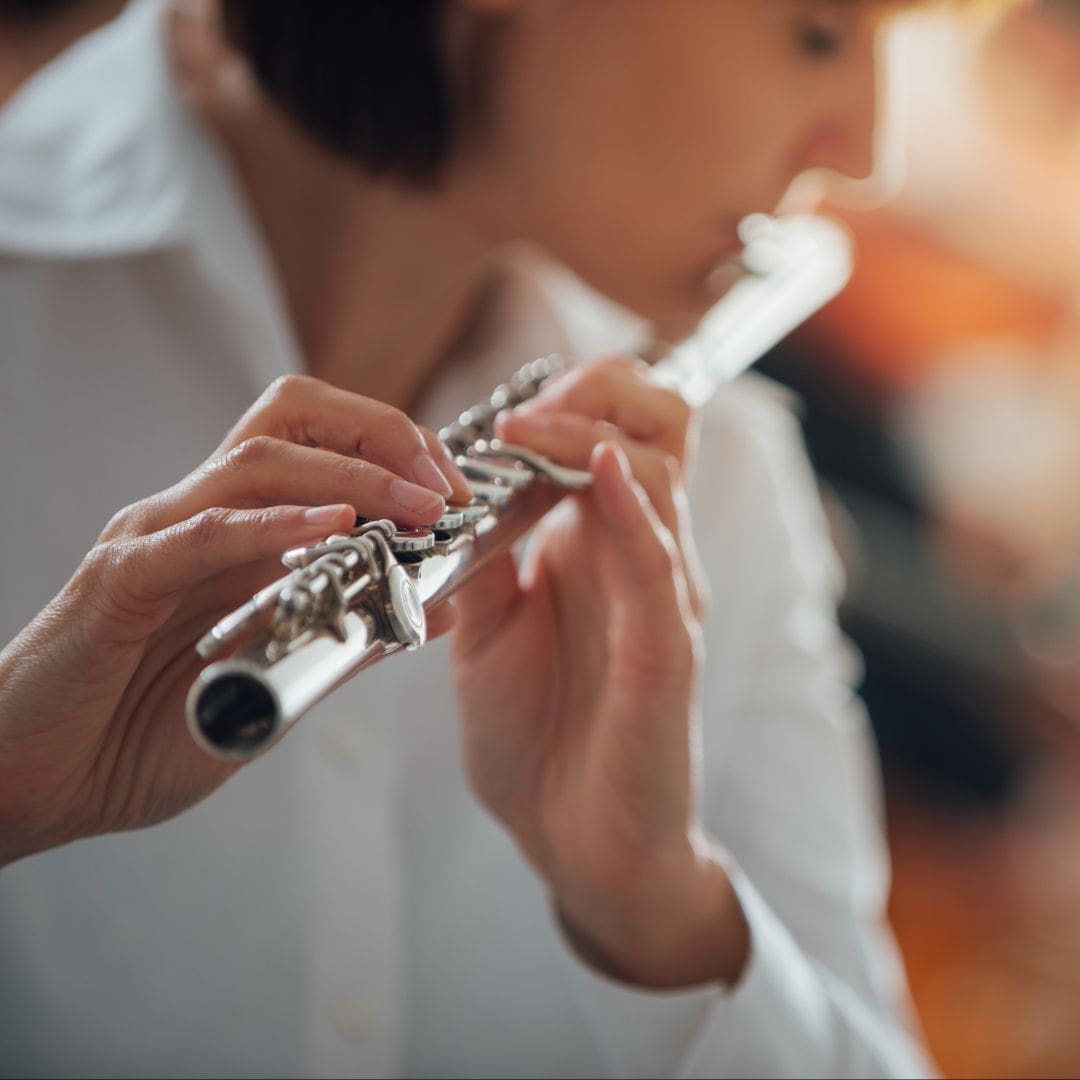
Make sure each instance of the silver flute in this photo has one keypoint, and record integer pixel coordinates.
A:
(356, 598)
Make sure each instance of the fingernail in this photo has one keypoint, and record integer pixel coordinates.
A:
(413, 497)
(536, 421)
(621, 459)
(324, 515)
(427, 472)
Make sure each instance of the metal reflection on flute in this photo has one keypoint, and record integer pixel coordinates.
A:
(355, 599)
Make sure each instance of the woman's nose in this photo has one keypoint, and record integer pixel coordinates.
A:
(843, 138)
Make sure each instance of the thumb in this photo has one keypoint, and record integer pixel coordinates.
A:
(485, 603)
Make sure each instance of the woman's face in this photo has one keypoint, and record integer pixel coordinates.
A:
(629, 137)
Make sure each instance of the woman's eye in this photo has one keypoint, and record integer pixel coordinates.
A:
(819, 39)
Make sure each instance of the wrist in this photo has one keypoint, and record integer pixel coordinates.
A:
(682, 927)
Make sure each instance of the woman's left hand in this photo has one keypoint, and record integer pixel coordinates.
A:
(577, 676)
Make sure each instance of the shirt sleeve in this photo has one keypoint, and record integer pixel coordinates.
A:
(787, 1016)
(790, 791)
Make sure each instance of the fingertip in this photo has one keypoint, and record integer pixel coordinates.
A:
(609, 456)
(429, 475)
(414, 505)
(335, 517)
(612, 481)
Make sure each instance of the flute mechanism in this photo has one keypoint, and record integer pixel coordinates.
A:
(354, 599)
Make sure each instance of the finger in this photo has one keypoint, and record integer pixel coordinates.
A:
(442, 620)
(693, 569)
(309, 412)
(268, 472)
(136, 581)
(644, 549)
(655, 641)
(570, 439)
(195, 49)
(461, 493)
(622, 392)
(484, 603)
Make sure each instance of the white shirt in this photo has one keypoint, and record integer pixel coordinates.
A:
(343, 906)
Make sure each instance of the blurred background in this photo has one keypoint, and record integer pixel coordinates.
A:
(940, 401)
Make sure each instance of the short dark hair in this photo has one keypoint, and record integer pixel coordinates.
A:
(33, 11)
(367, 78)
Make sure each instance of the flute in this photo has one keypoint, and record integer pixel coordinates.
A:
(357, 598)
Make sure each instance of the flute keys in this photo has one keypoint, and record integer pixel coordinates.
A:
(495, 495)
(412, 541)
(513, 476)
(472, 514)
(404, 610)
(535, 464)
(451, 520)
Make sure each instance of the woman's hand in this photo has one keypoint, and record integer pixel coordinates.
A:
(577, 675)
(92, 732)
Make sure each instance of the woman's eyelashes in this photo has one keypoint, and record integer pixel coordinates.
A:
(819, 39)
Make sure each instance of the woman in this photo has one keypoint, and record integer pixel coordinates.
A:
(381, 921)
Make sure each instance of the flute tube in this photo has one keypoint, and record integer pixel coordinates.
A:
(238, 708)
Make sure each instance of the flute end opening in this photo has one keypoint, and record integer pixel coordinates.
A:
(234, 716)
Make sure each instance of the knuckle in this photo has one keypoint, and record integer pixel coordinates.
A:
(204, 529)
(286, 390)
(352, 473)
(125, 522)
(109, 587)
(250, 453)
(101, 564)
(257, 520)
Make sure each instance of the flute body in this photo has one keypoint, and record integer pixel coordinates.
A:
(355, 599)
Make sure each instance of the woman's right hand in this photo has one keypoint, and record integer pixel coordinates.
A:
(92, 692)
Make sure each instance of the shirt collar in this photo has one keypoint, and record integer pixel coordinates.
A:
(100, 156)
(572, 316)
